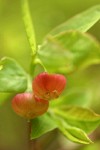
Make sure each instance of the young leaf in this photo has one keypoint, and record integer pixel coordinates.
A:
(78, 97)
(79, 117)
(69, 51)
(42, 125)
(81, 22)
(12, 76)
(74, 134)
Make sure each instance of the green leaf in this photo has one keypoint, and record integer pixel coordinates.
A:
(42, 125)
(81, 22)
(28, 25)
(75, 96)
(12, 76)
(74, 134)
(79, 117)
(69, 51)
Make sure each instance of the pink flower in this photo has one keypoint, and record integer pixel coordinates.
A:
(48, 86)
(29, 106)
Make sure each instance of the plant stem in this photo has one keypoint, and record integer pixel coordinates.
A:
(28, 25)
(32, 143)
(29, 31)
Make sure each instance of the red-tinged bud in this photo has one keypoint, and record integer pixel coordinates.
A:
(29, 106)
(48, 86)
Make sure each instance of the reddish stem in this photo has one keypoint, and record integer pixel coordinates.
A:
(32, 143)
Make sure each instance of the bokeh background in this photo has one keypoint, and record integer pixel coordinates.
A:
(46, 14)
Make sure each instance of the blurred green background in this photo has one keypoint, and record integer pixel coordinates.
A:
(46, 14)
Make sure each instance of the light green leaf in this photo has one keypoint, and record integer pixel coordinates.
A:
(42, 125)
(79, 117)
(12, 76)
(81, 22)
(74, 134)
(75, 96)
(69, 51)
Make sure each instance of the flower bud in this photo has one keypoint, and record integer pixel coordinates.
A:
(29, 106)
(48, 86)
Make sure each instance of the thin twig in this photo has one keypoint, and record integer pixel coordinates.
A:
(32, 143)
(28, 25)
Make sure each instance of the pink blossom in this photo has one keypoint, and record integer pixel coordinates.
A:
(29, 106)
(48, 86)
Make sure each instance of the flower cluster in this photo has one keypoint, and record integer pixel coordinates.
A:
(45, 88)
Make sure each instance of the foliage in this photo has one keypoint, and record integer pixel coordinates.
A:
(66, 49)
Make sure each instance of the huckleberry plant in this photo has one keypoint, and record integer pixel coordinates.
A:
(65, 52)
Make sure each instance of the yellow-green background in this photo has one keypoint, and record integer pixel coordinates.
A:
(46, 14)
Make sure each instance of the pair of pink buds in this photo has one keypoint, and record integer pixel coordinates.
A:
(45, 88)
